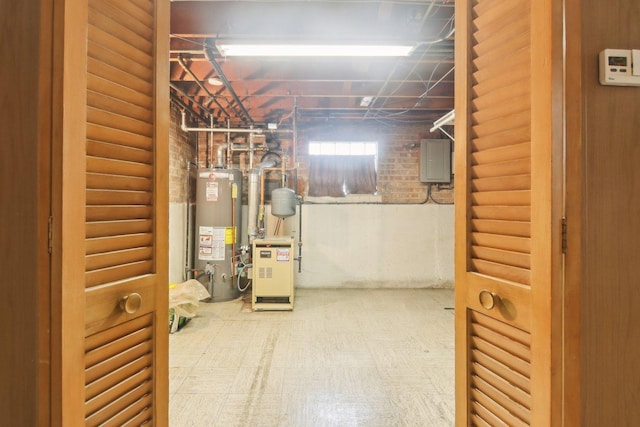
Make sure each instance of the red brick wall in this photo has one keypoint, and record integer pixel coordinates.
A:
(398, 157)
(182, 149)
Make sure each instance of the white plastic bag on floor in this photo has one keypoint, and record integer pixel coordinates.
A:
(184, 299)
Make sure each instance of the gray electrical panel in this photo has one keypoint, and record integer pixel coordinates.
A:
(435, 160)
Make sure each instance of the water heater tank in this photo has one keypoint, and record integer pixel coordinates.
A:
(283, 202)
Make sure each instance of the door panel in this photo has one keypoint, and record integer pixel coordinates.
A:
(111, 357)
(493, 255)
(125, 157)
(507, 195)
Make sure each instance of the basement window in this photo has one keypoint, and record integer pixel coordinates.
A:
(342, 168)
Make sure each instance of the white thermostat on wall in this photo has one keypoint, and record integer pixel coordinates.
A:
(620, 67)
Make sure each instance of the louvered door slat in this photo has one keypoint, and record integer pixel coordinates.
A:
(502, 37)
(509, 228)
(116, 136)
(120, 272)
(502, 169)
(498, 256)
(510, 137)
(487, 54)
(111, 26)
(118, 182)
(500, 340)
(506, 272)
(118, 197)
(116, 376)
(502, 198)
(107, 102)
(120, 78)
(117, 91)
(107, 56)
(118, 152)
(504, 357)
(133, 412)
(129, 15)
(106, 415)
(505, 329)
(145, 6)
(118, 167)
(121, 388)
(143, 416)
(515, 182)
(120, 47)
(503, 371)
(477, 420)
(517, 104)
(118, 242)
(500, 368)
(502, 124)
(506, 213)
(120, 122)
(117, 213)
(501, 154)
(128, 355)
(111, 259)
(108, 336)
(114, 228)
(514, 393)
(492, 78)
(493, 14)
(499, 241)
(496, 409)
(492, 93)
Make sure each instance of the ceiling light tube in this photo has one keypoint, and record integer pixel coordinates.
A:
(227, 49)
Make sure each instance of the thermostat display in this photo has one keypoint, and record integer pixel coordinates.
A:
(619, 67)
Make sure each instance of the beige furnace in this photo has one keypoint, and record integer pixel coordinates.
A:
(272, 287)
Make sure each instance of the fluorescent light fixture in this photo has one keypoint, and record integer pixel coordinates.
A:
(447, 119)
(313, 50)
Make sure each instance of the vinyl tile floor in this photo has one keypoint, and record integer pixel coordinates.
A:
(342, 357)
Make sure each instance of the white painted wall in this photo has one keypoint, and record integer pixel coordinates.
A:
(177, 241)
(377, 246)
(366, 245)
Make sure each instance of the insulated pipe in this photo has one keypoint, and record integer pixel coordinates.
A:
(221, 155)
(184, 127)
(254, 198)
(300, 236)
(251, 147)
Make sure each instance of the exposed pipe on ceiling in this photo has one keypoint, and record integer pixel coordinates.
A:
(195, 78)
(182, 105)
(395, 66)
(185, 128)
(191, 99)
(227, 84)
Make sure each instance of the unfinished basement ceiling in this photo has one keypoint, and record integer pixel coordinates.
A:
(259, 90)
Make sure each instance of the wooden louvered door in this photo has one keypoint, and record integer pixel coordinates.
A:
(507, 211)
(114, 314)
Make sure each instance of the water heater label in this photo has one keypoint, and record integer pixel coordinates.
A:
(219, 234)
(205, 243)
(211, 191)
